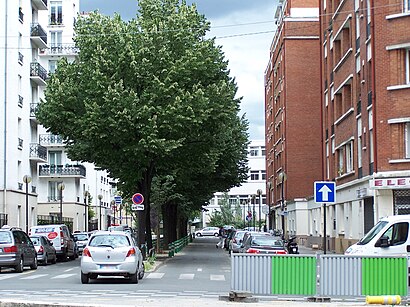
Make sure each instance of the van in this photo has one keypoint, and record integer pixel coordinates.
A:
(60, 235)
(389, 237)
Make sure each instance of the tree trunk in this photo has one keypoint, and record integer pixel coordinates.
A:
(169, 215)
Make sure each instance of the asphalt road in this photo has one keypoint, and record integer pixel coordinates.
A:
(198, 276)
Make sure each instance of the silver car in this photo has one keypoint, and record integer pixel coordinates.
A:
(46, 253)
(111, 253)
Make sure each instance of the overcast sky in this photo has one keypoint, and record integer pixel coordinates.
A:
(244, 29)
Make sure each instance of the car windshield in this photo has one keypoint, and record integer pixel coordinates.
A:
(36, 240)
(5, 237)
(239, 234)
(109, 240)
(81, 237)
(267, 241)
(372, 233)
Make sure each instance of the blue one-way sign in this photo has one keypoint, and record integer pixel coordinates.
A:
(325, 192)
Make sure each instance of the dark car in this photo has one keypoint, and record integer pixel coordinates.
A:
(262, 244)
(46, 253)
(16, 249)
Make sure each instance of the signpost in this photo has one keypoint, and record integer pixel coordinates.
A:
(118, 200)
(325, 192)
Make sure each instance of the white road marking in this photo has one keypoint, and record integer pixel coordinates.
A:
(68, 270)
(199, 269)
(7, 276)
(34, 276)
(62, 276)
(155, 275)
(186, 276)
(217, 277)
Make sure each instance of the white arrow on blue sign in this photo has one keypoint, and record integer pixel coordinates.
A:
(325, 192)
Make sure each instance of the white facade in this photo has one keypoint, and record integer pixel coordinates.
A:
(34, 35)
(246, 194)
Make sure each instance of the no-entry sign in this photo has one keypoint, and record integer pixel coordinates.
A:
(137, 198)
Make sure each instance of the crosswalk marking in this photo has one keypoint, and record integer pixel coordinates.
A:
(186, 276)
(62, 276)
(6, 277)
(155, 275)
(35, 276)
(199, 269)
(217, 277)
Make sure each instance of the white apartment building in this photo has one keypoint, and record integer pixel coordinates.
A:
(247, 193)
(34, 35)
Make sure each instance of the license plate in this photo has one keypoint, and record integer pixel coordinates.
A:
(107, 266)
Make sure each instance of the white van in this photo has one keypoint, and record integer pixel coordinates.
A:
(60, 235)
(389, 237)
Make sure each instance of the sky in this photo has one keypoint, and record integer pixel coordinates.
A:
(244, 29)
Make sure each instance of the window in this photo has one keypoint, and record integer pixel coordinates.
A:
(254, 151)
(407, 140)
(263, 175)
(408, 65)
(371, 147)
(359, 142)
(263, 151)
(54, 157)
(397, 233)
(254, 175)
(52, 66)
(56, 40)
(341, 161)
(406, 5)
(53, 193)
(349, 157)
(56, 13)
(325, 50)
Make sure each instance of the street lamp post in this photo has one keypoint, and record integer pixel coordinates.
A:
(26, 180)
(282, 178)
(259, 192)
(85, 211)
(61, 187)
(244, 214)
(100, 197)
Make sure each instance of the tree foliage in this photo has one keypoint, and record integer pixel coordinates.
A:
(150, 98)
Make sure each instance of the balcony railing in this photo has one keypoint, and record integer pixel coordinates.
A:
(38, 152)
(38, 74)
(21, 58)
(62, 170)
(20, 143)
(20, 101)
(33, 109)
(21, 15)
(38, 35)
(51, 140)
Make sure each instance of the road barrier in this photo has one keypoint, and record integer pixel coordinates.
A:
(176, 246)
(319, 275)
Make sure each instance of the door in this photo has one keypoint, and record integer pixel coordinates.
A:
(397, 235)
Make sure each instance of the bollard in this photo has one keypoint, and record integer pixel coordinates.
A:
(384, 299)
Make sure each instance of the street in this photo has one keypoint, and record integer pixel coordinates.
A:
(197, 276)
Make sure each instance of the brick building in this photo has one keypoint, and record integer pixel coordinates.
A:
(365, 90)
(292, 105)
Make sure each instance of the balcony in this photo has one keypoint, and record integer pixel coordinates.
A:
(40, 5)
(38, 153)
(21, 15)
(38, 74)
(51, 140)
(62, 171)
(20, 143)
(21, 58)
(63, 50)
(38, 36)
(33, 110)
(20, 101)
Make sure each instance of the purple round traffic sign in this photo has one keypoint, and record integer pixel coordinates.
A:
(137, 198)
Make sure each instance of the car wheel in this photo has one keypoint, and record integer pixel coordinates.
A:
(45, 262)
(142, 272)
(198, 234)
(216, 234)
(84, 278)
(93, 276)
(134, 278)
(20, 266)
(54, 261)
(34, 265)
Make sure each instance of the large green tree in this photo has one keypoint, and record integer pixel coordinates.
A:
(149, 97)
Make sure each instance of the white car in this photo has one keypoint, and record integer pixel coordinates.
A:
(207, 231)
(111, 253)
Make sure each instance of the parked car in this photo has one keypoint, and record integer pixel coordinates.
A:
(60, 235)
(263, 244)
(207, 231)
(236, 242)
(81, 239)
(111, 253)
(46, 253)
(16, 249)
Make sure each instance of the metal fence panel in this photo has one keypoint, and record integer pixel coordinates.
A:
(251, 273)
(295, 275)
(384, 276)
(340, 275)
